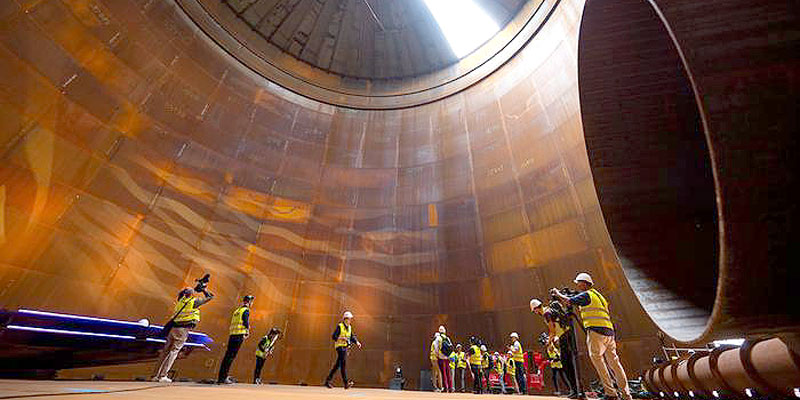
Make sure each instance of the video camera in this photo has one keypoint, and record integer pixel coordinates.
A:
(559, 309)
(202, 283)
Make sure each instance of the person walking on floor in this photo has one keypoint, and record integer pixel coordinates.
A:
(596, 319)
(444, 347)
(519, 358)
(265, 347)
(238, 331)
(475, 359)
(186, 316)
(343, 337)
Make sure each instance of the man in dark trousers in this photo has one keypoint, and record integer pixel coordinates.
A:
(600, 335)
(239, 330)
(558, 336)
(475, 360)
(343, 337)
(264, 349)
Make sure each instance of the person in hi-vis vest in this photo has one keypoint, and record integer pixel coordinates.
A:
(511, 369)
(593, 308)
(343, 337)
(461, 366)
(265, 347)
(186, 316)
(239, 330)
(519, 357)
(475, 361)
(559, 335)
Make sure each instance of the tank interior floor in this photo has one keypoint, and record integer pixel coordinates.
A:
(99, 390)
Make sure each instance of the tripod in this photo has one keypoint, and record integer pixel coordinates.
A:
(573, 344)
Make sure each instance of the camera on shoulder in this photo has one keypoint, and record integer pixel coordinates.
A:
(202, 283)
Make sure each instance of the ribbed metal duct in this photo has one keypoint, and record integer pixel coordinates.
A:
(691, 139)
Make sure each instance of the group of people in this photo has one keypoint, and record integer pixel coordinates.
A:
(450, 364)
(187, 316)
(595, 318)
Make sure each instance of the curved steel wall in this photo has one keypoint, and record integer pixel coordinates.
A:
(136, 155)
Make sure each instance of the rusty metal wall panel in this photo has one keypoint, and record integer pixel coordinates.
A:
(136, 155)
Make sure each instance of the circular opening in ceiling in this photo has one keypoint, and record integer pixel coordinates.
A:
(650, 161)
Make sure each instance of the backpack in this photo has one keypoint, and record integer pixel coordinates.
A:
(447, 346)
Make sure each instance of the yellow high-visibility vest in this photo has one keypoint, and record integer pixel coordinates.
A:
(263, 352)
(596, 313)
(475, 358)
(554, 354)
(511, 366)
(186, 311)
(498, 365)
(517, 352)
(485, 361)
(462, 360)
(345, 332)
(237, 323)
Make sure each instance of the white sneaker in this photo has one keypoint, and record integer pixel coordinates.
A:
(164, 379)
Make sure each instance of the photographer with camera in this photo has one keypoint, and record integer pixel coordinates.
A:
(176, 330)
(264, 349)
(596, 319)
(560, 336)
(239, 331)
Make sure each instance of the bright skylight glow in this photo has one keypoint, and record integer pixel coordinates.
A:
(465, 24)
(734, 342)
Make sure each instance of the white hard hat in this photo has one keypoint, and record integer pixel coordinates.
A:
(535, 303)
(514, 335)
(583, 276)
(441, 329)
(483, 347)
(347, 314)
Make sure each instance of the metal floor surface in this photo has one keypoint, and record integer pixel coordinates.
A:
(97, 390)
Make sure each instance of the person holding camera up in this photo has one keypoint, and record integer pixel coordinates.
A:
(239, 331)
(343, 337)
(559, 335)
(596, 319)
(264, 349)
(186, 316)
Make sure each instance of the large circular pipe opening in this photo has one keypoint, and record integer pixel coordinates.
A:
(651, 163)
